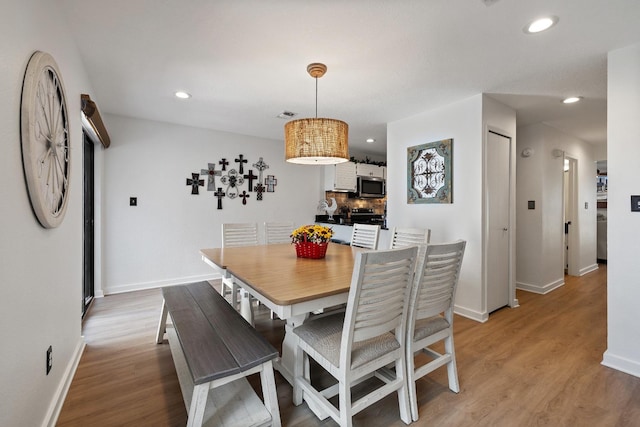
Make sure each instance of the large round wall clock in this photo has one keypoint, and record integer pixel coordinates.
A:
(45, 139)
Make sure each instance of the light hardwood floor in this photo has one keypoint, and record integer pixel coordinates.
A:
(536, 365)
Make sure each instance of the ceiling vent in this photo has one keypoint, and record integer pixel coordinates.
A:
(286, 115)
(489, 2)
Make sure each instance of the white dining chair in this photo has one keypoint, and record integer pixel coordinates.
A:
(402, 237)
(277, 232)
(362, 342)
(430, 318)
(365, 236)
(234, 235)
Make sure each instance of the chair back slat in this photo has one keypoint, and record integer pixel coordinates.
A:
(239, 234)
(380, 288)
(436, 280)
(365, 236)
(277, 232)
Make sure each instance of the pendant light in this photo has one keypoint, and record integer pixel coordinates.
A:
(316, 141)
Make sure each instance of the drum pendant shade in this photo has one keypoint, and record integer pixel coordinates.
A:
(316, 141)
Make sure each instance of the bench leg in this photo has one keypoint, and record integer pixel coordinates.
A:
(198, 403)
(162, 325)
(269, 393)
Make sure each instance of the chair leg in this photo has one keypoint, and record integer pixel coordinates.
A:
(298, 368)
(452, 369)
(404, 402)
(411, 384)
(346, 410)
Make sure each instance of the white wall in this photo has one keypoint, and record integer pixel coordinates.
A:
(467, 122)
(540, 253)
(40, 269)
(157, 243)
(623, 269)
(461, 121)
(600, 152)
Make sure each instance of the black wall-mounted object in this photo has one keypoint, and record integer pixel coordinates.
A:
(635, 203)
(531, 204)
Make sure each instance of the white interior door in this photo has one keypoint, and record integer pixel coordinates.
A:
(497, 196)
(570, 204)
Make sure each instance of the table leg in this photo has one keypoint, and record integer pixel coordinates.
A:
(285, 364)
(246, 310)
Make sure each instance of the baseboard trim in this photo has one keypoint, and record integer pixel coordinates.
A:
(545, 289)
(471, 314)
(589, 269)
(631, 367)
(63, 388)
(118, 289)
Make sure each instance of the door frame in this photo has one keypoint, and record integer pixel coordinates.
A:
(573, 253)
(513, 301)
(88, 222)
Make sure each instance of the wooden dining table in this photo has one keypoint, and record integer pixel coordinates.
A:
(291, 287)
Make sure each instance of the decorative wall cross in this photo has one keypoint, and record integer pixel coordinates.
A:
(244, 196)
(271, 183)
(211, 173)
(259, 190)
(241, 160)
(260, 165)
(250, 177)
(232, 180)
(219, 194)
(194, 182)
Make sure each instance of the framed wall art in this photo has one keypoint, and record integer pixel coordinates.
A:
(429, 172)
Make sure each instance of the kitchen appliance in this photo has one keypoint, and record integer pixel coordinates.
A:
(370, 187)
(366, 216)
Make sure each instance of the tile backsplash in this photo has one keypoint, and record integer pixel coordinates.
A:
(343, 201)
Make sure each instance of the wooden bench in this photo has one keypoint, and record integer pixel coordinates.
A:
(214, 349)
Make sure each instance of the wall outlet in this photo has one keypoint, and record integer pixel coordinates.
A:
(49, 359)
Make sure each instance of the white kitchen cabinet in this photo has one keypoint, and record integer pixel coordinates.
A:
(366, 169)
(340, 177)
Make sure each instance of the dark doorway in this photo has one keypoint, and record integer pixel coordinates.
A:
(88, 231)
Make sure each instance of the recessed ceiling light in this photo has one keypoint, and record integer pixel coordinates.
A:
(183, 95)
(371, 140)
(541, 24)
(571, 99)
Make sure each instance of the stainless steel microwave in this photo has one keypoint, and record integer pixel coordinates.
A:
(371, 187)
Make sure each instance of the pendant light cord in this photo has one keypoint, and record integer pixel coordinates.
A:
(316, 97)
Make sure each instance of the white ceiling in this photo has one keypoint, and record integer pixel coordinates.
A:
(244, 61)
